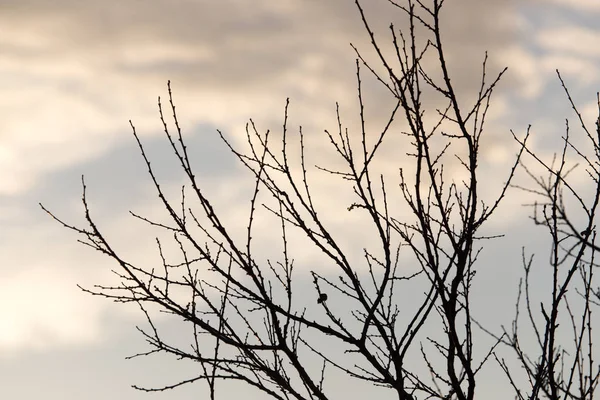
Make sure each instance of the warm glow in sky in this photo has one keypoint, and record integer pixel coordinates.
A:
(73, 72)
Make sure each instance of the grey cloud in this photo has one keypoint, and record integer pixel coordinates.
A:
(118, 180)
(247, 42)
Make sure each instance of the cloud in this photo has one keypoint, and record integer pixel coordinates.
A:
(38, 310)
(40, 303)
(573, 40)
(80, 69)
(583, 5)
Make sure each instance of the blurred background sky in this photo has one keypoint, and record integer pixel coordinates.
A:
(73, 72)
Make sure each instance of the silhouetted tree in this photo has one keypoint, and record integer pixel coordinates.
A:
(247, 322)
(561, 368)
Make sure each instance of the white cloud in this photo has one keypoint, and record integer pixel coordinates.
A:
(584, 5)
(39, 310)
(525, 66)
(579, 69)
(571, 39)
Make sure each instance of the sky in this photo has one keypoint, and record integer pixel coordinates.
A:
(74, 72)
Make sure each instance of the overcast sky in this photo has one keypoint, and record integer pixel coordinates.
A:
(73, 72)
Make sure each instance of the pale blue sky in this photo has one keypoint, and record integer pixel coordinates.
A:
(73, 72)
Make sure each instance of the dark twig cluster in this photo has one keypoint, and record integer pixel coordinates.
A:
(561, 368)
